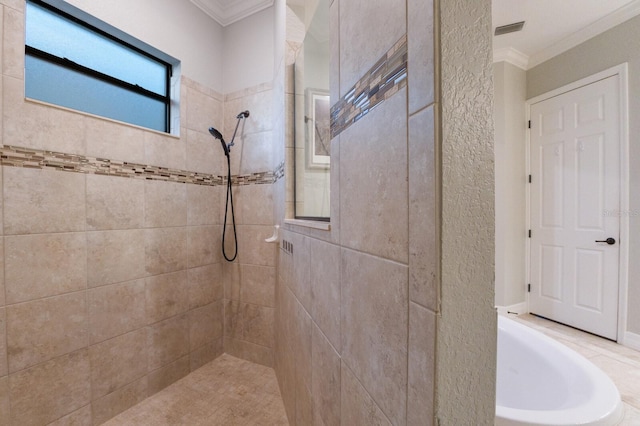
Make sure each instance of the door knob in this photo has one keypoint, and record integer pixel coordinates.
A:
(610, 241)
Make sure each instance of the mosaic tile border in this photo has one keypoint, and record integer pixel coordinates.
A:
(49, 160)
(382, 81)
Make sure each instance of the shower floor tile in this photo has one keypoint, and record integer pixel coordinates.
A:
(620, 363)
(226, 391)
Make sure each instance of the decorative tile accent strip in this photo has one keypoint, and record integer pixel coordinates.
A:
(49, 160)
(382, 81)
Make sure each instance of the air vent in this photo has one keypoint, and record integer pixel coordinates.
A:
(510, 28)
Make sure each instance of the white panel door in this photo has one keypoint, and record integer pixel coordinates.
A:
(575, 200)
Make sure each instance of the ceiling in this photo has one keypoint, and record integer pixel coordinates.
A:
(553, 26)
(227, 12)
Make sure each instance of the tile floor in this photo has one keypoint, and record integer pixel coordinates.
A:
(227, 391)
(619, 362)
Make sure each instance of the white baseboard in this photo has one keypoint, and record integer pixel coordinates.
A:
(632, 340)
(518, 308)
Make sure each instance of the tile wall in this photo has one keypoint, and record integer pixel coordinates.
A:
(112, 280)
(356, 306)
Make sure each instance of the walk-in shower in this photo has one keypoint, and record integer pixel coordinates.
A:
(229, 199)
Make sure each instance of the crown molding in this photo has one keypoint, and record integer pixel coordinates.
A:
(621, 15)
(512, 56)
(226, 13)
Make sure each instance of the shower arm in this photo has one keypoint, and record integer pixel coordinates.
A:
(233, 138)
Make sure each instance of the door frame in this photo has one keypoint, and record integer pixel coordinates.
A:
(623, 268)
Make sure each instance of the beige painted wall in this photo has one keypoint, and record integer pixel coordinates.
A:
(466, 327)
(616, 46)
(510, 147)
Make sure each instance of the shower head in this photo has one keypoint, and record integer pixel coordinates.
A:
(243, 114)
(216, 134)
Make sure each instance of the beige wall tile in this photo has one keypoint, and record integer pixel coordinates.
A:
(13, 42)
(373, 181)
(203, 205)
(205, 285)
(233, 325)
(204, 153)
(203, 111)
(165, 250)
(257, 324)
(41, 193)
(254, 204)
(205, 325)
(170, 373)
(374, 328)
(325, 380)
(231, 275)
(420, 44)
(14, 4)
(164, 151)
(117, 362)
(260, 106)
(361, 22)
(356, 405)
(2, 273)
(108, 139)
(33, 125)
(44, 265)
(257, 153)
(165, 204)
(115, 256)
(304, 405)
(35, 393)
(4, 368)
(167, 295)
(81, 417)
(114, 202)
(258, 285)
(115, 310)
(301, 345)
(5, 405)
(423, 254)
(206, 353)
(118, 401)
(249, 351)
(44, 329)
(203, 245)
(167, 341)
(422, 338)
(325, 289)
(252, 249)
(301, 269)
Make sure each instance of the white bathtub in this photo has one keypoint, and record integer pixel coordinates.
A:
(542, 382)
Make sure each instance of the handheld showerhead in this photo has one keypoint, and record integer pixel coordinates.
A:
(216, 134)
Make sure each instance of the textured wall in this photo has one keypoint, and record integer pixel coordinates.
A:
(466, 330)
(611, 48)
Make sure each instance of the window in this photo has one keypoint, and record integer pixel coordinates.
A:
(91, 68)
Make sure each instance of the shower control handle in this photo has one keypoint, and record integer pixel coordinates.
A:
(610, 241)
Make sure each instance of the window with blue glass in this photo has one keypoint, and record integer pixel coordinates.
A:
(72, 63)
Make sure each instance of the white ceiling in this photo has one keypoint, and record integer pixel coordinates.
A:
(553, 26)
(227, 12)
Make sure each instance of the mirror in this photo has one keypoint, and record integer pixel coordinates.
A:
(311, 114)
